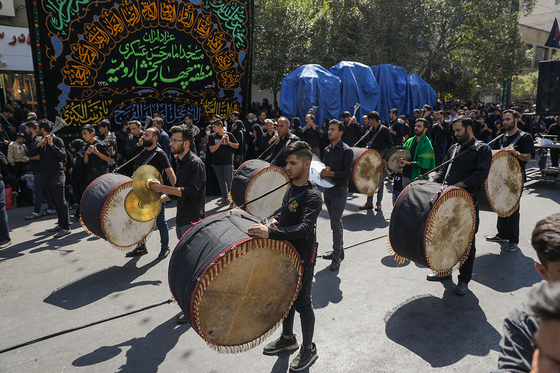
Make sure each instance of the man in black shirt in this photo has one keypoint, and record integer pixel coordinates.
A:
(96, 156)
(133, 144)
(155, 156)
(338, 158)
(222, 145)
(296, 224)
(467, 172)
(440, 132)
(52, 155)
(396, 127)
(122, 138)
(520, 144)
(311, 134)
(110, 142)
(379, 139)
(555, 131)
(352, 130)
(284, 139)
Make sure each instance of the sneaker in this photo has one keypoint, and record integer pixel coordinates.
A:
(281, 344)
(495, 238)
(55, 229)
(434, 277)
(223, 202)
(304, 359)
(163, 253)
(50, 212)
(511, 246)
(367, 206)
(62, 233)
(7, 242)
(137, 252)
(33, 216)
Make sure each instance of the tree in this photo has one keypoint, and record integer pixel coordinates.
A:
(524, 87)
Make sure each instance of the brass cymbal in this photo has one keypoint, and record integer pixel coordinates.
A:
(140, 211)
(140, 183)
(394, 154)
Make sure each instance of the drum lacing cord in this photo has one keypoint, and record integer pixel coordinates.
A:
(170, 300)
(264, 195)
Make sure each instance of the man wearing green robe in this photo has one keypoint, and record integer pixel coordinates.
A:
(422, 152)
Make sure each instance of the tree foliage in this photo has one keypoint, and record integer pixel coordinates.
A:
(455, 45)
(524, 87)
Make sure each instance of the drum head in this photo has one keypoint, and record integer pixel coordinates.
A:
(367, 173)
(504, 184)
(263, 181)
(449, 230)
(244, 293)
(120, 229)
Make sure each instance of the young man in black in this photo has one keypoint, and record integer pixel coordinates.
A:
(352, 130)
(160, 161)
(96, 156)
(520, 144)
(222, 145)
(296, 224)
(110, 141)
(467, 172)
(284, 139)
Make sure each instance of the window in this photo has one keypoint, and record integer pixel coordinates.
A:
(541, 54)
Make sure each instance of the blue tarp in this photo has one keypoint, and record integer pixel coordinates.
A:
(358, 86)
(418, 93)
(308, 86)
(392, 82)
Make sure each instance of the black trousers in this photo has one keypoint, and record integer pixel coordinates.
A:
(305, 309)
(55, 188)
(508, 228)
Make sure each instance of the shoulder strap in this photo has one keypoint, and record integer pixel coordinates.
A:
(280, 151)
(370, 143)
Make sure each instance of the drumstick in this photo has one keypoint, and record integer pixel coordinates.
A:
(363, 137)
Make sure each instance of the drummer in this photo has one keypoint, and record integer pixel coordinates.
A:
(297, 224)
(338, 158)
(520, 144)
(422, 152)
(467, 172)
(380, 139)
(284, 139)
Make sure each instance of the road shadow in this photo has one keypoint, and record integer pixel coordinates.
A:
(358, 222)
(326, 288)
(505, 272)
(99, 285)
(389, 261)
(442, 331)
(145, 354)
(282, 364)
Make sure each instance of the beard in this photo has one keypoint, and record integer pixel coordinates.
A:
(178, 150)
(148, 143)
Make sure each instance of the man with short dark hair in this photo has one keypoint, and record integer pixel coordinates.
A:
(156, 157)
(311, 134)
(520, 145)
(285, 137)
(440, 133)
(110, 140)
(16, 152)
(352, 130)
(96, 156)
(467, 172)
(197, 136)
(52, 156)
(396, 127)
(297, 225)
(222, 144)
(164, 139)
(133, 144)
(339, 160)
(422, 152)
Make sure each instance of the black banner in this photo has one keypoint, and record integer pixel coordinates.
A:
(554, 37)
(128, 59)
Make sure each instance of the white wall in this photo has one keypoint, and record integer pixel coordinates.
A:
(542, 17)
(17, 57)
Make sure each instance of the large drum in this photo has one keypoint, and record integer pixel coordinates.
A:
(103, 213)
(504, 185)
(236, 289)
(367, 172)
(432, 229)
(253, 179)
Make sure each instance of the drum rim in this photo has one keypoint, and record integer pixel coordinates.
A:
(428, 232)
(218, 264)
(504, 153)
(362, 154)
(105, 214)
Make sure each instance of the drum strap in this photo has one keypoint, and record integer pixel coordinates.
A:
(282, 208)
(280, 151)
(450, 165)
(370, 143)
(521, 133)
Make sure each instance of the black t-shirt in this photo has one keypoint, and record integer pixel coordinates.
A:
(96, 166)
(524, 145)
(191, 179)
(222, 156)
(159, 161)
(110, 141)
(398, 127)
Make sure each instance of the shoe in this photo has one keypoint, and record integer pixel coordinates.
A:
(495, 238)
(335, 265)
(139, 251)
(62, 233)
(33, 216)
(232, 205)
(434, 277)
(182, 318)
(462, 288)
(378, 207)
(304, 359)
(329, 255)
(367, 206)
(511, 246)
(7, 242)
(163, 253)
(50, 212)
(223, 202)
(281, 344)
(55, 229)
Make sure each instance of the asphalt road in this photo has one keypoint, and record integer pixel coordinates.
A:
(371, 316)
